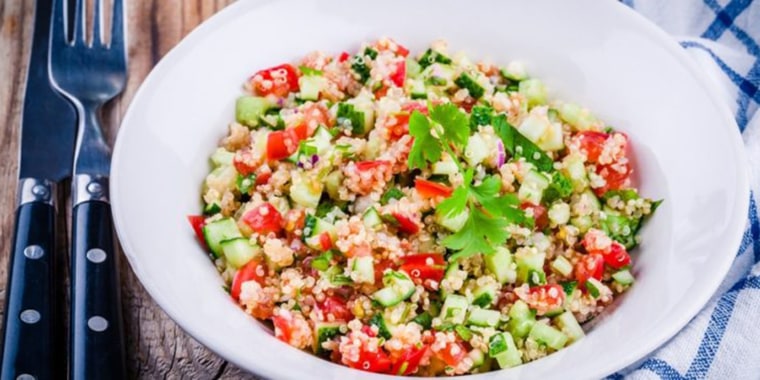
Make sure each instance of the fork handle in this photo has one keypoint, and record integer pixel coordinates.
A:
(97, 334)
(32, 334)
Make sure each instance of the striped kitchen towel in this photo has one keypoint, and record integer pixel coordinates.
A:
(723, 340)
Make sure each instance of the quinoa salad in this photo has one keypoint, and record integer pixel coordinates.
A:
(419, 213)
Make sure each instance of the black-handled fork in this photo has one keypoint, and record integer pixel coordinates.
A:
(90, 75)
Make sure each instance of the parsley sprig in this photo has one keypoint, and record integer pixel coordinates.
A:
(447, 130)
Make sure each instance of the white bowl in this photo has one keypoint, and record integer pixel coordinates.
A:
(599, 54)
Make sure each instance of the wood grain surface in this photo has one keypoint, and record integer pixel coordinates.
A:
(157, 347)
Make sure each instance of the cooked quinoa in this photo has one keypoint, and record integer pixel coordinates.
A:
(419, 214)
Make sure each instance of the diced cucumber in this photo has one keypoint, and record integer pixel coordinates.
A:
(322, 140)
(451, 271)
(514, 71)
(445, 167)
(222, 157)
(623, 277)
(218, 231)
(562, 266)
(212, 208)
(239, 251)
(484, 295)
(550, 336)
(248, 109)
(305, 190)
(476, 150)
(575, 170)
(583, 223)
(594, 287)
(356, 116)
(417, 89)
(454, 309)
(529, 265)
(534, 126)
(477, 356)
(533, 186)
(452, 223)
(413, 68)
(521, 319)
(469, 83)
(333, 182)
(569, 287)
(310, 86)
(425, 320)
(372, 219)
(552, 139)
(570, 326)
(313, 228)
(534, 91)
(324, 331)
(382, 327)
(398, 287)
(578, 117)
(502, 348)
(439, 75)
(500, 265)
(363, 270)
(483, 317)
(431, 56)
(559, 213)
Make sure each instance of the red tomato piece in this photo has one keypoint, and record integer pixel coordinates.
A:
(592, 143)
(244, 162)
(380, 268)
(399, 127)
(343, 57)
(282, 144)
(197, 222)
(264, 219)
(369, 165)
(406, 224)
(617, 257)
(401, 50)
(399, 75)
(591, 265)
(337, 307)
(615, 176)
(545, 298)
(325, 241)
(424, 266)
(409, 361)
(263, 178)
(359, 251)
(381, 92)
(279, 80)
(282, 328)
(430, 189)
(540, 216)
(254, 270)
(378, 362)
(452, 354)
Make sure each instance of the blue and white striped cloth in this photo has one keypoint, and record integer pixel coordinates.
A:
(723, 340)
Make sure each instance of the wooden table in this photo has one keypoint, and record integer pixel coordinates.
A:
(156, 346)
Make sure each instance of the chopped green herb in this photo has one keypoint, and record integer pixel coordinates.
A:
(392, 193)
(519, 146)
(307, 71)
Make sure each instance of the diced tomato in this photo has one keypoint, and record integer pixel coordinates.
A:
(343, 57)
(325, 241)
(424, 266)
(617, 257)
(452, 354)
(540, 216)
(279, 80)
(430, 189)
(254, 270)
(406, 224)
(264, 219)
(401, 50)
(369, 165)
(399, 127)
(263, 178)
(244, 162)
(592, 143)
(337, 307)
(377, 362)
(615, 176)
(415, 106)
(282, 144)
(399, 74)
(591, 265)
(545, 298)
(197, 222)
(381, 92)
(409, 361)
(282, 328)
(380, 268)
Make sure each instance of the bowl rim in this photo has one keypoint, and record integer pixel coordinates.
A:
(736, 225)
